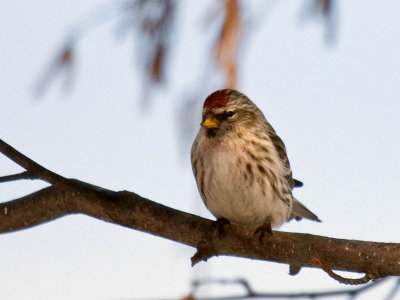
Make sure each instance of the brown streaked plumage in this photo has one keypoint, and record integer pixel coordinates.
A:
(241, 166)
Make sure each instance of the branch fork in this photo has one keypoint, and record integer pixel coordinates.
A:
(70, 196)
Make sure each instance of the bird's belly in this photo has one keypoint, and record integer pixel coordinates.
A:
(243, 197)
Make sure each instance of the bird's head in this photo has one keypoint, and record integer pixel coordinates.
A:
(228, 112)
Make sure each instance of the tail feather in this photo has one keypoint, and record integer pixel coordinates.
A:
(299, 211)
(297, 183)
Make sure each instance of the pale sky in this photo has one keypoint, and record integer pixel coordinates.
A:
(336, 107)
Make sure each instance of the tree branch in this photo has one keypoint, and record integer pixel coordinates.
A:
(38, 172)
(67, 196)
(250, 293)
(13, 177)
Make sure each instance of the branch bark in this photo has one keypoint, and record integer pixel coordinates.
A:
(69, 196)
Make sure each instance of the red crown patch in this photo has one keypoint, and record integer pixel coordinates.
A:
(216, 99)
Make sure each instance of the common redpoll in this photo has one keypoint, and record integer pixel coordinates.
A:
(241, 167)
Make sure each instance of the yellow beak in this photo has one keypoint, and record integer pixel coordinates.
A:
(210, 122)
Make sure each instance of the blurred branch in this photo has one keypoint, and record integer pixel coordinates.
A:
(151, 24)
(228, 43)
(150, 19)
(63, 63)
(394, 291)
(252, 294)
(69, 196)
(326, 11)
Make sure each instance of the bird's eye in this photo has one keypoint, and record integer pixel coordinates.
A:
(230, 113)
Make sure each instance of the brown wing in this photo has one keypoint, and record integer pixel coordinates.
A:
(281, 149)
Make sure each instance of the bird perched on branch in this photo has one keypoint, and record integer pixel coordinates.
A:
(241, 167)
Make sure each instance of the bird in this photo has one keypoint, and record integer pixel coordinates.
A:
(241, 166)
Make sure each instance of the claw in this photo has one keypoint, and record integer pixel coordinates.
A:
(218, 226)
(266, 227)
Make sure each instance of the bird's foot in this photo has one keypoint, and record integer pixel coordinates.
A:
(218, 226)
(260, 231)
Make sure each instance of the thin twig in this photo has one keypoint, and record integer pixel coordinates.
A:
(19, 176)
(44, 174)
(260, 295)
(197, 283)
(309, 295)
(31, 166)
(67, 196)
(351, 281)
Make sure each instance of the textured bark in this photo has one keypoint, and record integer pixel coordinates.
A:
(131, 210)
(69, 196)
